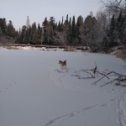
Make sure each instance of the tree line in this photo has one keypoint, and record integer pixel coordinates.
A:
(7, 29)
(105, 30)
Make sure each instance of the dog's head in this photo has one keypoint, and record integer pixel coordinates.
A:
(63, 63)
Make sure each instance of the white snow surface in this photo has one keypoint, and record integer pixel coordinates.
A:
(34, 91)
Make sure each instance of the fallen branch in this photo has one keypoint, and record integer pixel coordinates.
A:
(119, 79)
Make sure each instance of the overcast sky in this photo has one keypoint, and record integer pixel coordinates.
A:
(37, 10)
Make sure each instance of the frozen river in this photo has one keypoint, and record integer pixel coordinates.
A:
(35, 92)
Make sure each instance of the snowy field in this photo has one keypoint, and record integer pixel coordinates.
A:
(35, 91)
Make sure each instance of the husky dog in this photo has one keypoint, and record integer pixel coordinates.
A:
(63, 64)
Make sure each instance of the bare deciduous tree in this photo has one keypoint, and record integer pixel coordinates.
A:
(115, 6)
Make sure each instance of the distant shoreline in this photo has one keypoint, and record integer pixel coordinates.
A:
(117, 51)
(69, 48)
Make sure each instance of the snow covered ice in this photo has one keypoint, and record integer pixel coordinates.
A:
(34, 91)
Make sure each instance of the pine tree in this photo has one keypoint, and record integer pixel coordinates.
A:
(39, 35)
(28, 36)
(90, 31)
(33, 33)
(23, 34)
(73, 27)
(45, 25)
(69, 32)
(120, 27)
(66, 21)
(48, 32)
(62, 21)
(74, 39)
(0, 31)
(52, 23)
(70, 21)
(59, 29)
(11, 30)
(124, 31)
(3, 25)
(66, 30)
(66, 25)
(80, 28)
(112, 33)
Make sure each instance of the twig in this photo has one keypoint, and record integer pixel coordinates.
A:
(105, 75)
(108, 83)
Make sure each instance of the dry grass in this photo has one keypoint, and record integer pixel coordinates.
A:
(121, 54)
